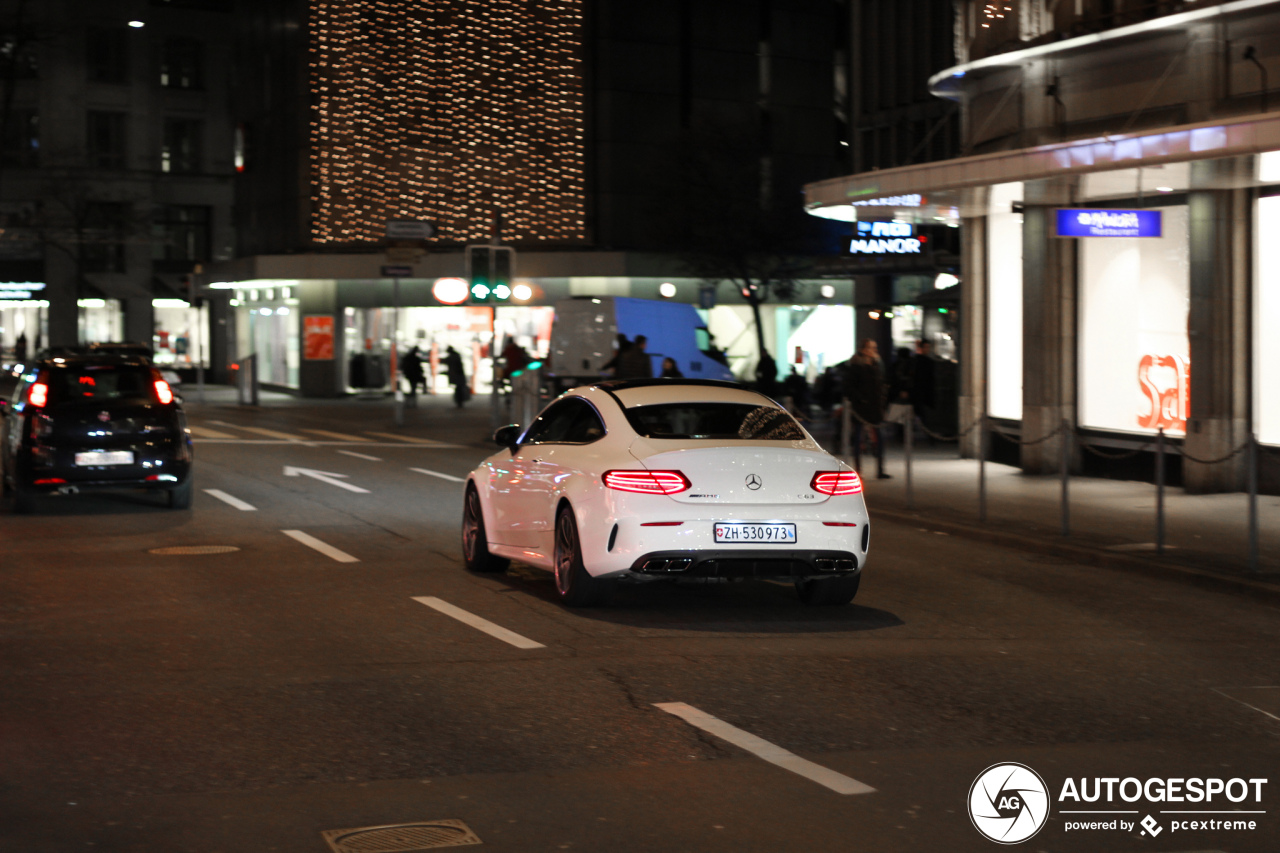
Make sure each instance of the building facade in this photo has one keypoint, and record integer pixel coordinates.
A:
(115, 173)
(1115, 198)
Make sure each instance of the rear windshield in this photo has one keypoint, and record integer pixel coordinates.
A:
(714, 421)
(99, 383)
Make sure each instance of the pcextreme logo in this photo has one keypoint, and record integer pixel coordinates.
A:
(1008, 803)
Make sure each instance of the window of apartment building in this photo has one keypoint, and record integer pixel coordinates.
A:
(107, 55)
(180, 151)
(20, 145)
(180, 235)
(106, 226)
(182, 64)
(16, 60)
(105, 140)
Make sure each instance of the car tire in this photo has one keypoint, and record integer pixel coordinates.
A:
(475, 542)
(829, 591)
(180, 498)
(575, 586)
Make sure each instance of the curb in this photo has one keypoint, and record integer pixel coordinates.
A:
(1092, 556)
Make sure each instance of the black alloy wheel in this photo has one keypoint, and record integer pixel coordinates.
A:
(575, 586)
(475, 544)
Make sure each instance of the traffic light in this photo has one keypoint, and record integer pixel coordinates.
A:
(489, 271)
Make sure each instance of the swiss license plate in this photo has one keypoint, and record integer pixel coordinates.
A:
(104, 457)
(734, 531)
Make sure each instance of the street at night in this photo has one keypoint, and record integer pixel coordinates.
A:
(160, 698)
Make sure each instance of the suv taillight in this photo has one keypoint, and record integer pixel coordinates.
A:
(38, 395)
(647, 482)
(836, 482)
(163, 392)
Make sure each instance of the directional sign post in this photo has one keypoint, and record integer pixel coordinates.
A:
(324, 477)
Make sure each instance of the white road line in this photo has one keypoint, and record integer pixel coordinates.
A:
(235, 502)
(424, 442)
(1246, 704)
(359, 455)
(323, 547)
(478, 623)
(205, 432)
(271, 433)
(761, 748)
(341, 436)
(449, 477)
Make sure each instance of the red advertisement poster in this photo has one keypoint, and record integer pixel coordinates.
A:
(317, 337)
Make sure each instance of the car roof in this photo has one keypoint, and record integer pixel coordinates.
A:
(651, 392)
(78, 359)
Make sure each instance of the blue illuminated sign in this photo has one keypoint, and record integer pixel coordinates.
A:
(1077, 222)
(878, 237)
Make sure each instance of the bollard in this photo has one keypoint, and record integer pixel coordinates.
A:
(1066, 477)
(1160, 491)
(1253, 502)
(907, 429)
(982, 468)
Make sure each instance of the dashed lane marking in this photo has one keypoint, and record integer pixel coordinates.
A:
(323, 547)
(359, 455)
(477, 622)
(449, 477)
(341, 436)
(761, 748)
(425, 442)
(271, 433)
(235, 502)
(205, 432)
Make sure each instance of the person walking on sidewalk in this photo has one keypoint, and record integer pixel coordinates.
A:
(457, 376)
(411, 367)
(634, 362)
(865, 392)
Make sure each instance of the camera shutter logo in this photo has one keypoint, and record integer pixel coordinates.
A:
(1008, 803)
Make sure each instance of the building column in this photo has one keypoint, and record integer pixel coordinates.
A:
(973, 322)
(139, 319)
(1048, 326)
(321, 377)
(1220, 225)
(62, 293)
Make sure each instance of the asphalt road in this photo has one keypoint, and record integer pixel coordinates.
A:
(253, 699)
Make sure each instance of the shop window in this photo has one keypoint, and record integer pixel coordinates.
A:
(180, 151)
(107, 55)
(180, 236)
(105, 141)
(182, 64)
(1004, 303)
(102, 247)
(1134, 353)
(1266, 319)
(21, 143)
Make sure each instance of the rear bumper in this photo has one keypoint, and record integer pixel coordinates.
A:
(775, 564)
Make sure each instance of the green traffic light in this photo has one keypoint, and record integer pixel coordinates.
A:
(479, 291)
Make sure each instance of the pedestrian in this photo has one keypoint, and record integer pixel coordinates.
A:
(767, 375)
(865, 393)
(796, 388)
(634, 362)
(514, 357)
(457, 376)
(411, 367)
(20, 348)
(620, 346)
(670, 370)
(923, 381)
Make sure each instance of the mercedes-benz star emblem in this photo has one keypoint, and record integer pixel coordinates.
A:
(753, 482)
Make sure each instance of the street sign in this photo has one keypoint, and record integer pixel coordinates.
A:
(397, 272)
(404, 254)
(410, 229)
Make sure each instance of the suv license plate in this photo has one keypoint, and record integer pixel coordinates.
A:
(105, 457)
(732, 531)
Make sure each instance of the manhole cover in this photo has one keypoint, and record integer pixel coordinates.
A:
(424, 835)
(184, 550)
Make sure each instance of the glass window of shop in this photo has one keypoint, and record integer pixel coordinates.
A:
(23, 321)
(1134, 352)
(1004, 303)
(267, 326)
(181, 336)
(100, 320)
(1266, 319)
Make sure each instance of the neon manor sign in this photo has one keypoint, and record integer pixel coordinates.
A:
(885, 238)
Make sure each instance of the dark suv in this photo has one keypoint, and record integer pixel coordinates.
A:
(80, 422)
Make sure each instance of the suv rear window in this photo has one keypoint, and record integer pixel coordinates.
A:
(741, 421)
(99, 383)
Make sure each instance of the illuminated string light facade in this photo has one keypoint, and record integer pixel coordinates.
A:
(448, 110)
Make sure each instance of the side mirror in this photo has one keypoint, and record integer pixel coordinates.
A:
(507, 436)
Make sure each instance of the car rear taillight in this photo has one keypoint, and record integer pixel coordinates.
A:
(163, 392)
(647, 482)
(38, 396)
(836, 482)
